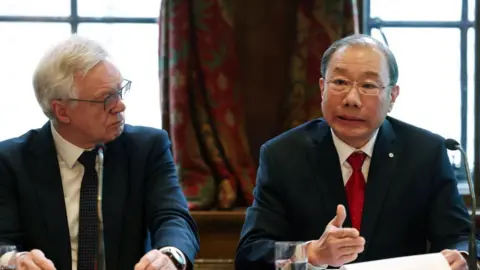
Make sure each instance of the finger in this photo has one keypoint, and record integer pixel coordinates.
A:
(159, 263)
(338, 220)
(350, 250)
(458, 265)
(449, 256)
(147, 259)
(344, 232)
(46, 264)
(41, 261)
(26, 263)
(348, 242)
(347, 258)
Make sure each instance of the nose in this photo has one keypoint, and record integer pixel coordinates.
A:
(119, 107)
(352, 99)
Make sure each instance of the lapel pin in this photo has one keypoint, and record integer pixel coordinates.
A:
(391, 155)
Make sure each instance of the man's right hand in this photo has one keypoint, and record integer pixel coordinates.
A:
(337, 246)
(34, 260)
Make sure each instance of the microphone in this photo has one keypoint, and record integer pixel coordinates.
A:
(101, 242)
(453, 145)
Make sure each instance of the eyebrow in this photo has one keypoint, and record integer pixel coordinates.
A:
(105, 91)
(343, 71)
(110, 90)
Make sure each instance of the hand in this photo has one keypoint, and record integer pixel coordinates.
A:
(455, 259)
(337, 246)
(34, 260)
(155, 260)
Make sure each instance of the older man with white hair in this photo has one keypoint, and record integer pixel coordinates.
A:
(84, 191)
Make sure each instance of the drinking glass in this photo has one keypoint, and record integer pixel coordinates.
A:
(12, 262)
(291, 256)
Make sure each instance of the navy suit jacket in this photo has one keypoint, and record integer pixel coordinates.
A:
(410, 197)
(141, 192)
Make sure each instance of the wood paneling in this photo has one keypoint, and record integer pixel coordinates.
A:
(219, 233)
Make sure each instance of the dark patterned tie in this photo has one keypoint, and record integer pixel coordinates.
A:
(356, 188)
(88, 227)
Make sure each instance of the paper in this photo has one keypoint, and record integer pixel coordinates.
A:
(418, 262)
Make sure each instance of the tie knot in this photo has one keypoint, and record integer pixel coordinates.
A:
(88, 158)
(356, 160)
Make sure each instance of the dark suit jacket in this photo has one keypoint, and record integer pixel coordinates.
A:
(141, 191)
(410, 198)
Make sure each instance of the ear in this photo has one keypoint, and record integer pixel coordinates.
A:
(60, 111)
(394, 92)
(321, 84)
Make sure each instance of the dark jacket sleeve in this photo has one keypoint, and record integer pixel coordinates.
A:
(167, 214)
(448, 223)
(10, 229)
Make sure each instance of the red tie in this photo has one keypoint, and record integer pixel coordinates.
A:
(356, 188)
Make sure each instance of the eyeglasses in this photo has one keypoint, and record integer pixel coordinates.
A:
(111, 100)
(364, 87)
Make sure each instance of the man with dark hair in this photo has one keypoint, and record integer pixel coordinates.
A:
(357, 185)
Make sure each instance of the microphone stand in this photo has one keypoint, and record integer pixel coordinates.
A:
(101, 242)
(472, 243)
(451, 144)
(476, 109)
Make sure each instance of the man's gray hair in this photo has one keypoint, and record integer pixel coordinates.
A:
(362, 40)
(55, 73)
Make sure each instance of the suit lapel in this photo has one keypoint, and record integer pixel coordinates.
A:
(325, 165)
(115, 181)
(381, 173)
(45, 174)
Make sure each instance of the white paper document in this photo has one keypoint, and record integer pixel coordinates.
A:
(434, 261)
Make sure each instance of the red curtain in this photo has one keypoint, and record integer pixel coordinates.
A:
(201, 105)
(319, 24)
(201, 101)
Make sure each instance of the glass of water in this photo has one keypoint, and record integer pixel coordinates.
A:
(291, 256)
(12, 253)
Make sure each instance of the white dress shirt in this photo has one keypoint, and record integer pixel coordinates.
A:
(344, 151)
(71, 171)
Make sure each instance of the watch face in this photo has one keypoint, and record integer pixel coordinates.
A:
(179, 258)
(176, 257)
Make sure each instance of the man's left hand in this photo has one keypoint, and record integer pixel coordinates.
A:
(455, 259)
(155, 260)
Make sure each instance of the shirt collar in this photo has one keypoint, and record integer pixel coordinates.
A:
(344, 150)
(67, 151)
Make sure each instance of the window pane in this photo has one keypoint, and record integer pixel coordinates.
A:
(429, 79)
(119, 8)
(22, 46)
(35, 7)
(416, 10)
(471, 97)
(134, 48)
(471, 10)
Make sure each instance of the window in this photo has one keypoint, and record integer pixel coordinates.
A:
(435, 52)
(28, 28)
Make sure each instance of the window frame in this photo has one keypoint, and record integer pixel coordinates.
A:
(464, 24)
(74, 19)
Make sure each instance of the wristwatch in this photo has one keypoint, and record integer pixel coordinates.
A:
(176, 256)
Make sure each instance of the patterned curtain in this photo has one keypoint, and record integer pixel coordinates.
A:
(201, 104)
(319, 23)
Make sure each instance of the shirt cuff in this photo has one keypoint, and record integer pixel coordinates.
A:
(179, 251)
(315, 267)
